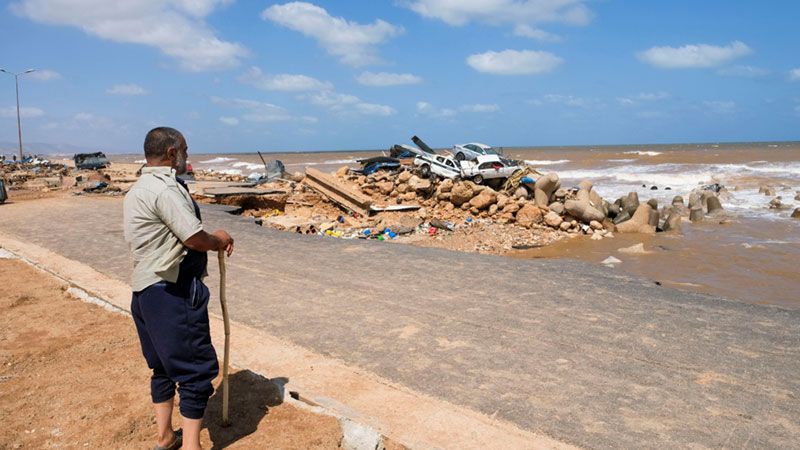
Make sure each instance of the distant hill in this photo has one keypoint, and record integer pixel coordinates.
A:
(41, 148)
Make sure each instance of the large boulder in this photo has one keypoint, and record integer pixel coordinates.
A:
(446, 185)
(385, 187)
(557, 207)
(529, 215)
(511, 208)
(404, 176)
(460, 194)
(796, 213)
(544, 188)
(553, 220)
(639, 223)
(484, 200)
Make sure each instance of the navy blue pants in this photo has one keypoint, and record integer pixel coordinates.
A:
(172, 322)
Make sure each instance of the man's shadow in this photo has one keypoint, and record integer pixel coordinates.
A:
(251, 396)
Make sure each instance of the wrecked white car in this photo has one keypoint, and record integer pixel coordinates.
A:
(438, 165)
(471, 151)
(487, 167)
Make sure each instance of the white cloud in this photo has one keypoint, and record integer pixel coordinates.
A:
(480, 108)
(743, 72)
(261, 112)
(126, 89)
(372, 109)
(498, 12)
(25, 112)
(643, 97)
(525, 30)
(176, 27)
(514, 62)
(387, 79)
(233, 121)
(86, 121)
(429, 110)
(348, 103)
(283, 82)
(694, 56)
(720, 106)
(44, 75)
(569, 100)
(794, 74)
(353, 43)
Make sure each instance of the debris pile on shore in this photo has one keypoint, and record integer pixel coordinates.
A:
(526, 211)
(39, 175)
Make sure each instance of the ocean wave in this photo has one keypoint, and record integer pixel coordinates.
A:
(248, 166)
(546, 162)
(644, 153)
(140, 161)
(218, 160)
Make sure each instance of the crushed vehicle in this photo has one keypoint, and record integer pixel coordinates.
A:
(372, 165)
(488, 167)
(91, 161)
(472, 150)
(437, 165)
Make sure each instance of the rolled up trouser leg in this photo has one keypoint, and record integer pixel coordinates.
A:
(175, 316)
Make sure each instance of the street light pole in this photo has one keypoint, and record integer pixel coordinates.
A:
(19, 122)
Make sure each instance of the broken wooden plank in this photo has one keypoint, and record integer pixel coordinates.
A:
(337, 192)
(236, 190)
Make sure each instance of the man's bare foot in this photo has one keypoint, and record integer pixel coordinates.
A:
(167, 439)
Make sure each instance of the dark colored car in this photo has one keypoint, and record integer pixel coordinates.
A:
(91, 161)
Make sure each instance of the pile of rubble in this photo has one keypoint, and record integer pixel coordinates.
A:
(37, 175)
(400, 205)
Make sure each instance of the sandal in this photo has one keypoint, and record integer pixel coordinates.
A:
(176, 444)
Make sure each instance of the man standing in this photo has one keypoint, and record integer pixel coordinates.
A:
(170, 301)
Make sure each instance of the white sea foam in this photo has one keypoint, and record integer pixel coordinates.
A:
(140, 161)
(325, 163)
(218, 160)
(546, 162)
(615, 181)
(248, 166)
(643, 153)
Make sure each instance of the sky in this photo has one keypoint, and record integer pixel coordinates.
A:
(241, 76)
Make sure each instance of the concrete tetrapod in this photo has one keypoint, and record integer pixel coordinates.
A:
(639, 223)
(713, 204)
(544, 188)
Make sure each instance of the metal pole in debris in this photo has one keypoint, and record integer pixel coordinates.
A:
(19, 122)
(226, 358)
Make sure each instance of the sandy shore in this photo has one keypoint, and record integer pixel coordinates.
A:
(60, 381)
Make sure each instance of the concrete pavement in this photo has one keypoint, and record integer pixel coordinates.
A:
(575, 351)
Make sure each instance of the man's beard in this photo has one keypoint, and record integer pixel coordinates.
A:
(180, 164)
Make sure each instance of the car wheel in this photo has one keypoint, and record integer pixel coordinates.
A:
(425, 171)
(477, 179)
(460, 156)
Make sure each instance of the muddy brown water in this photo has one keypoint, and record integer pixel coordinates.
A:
(749, 253)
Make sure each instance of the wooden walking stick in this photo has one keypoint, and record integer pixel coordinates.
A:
(225, 386)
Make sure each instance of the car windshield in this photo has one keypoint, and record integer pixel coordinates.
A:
(488, 151)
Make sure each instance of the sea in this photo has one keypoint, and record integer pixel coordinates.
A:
(748, 254)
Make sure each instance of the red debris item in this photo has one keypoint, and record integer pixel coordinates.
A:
(432, 231)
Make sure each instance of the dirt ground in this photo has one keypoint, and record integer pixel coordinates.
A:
(72, 376)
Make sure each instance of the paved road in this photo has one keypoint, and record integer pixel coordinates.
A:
(572, 350)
